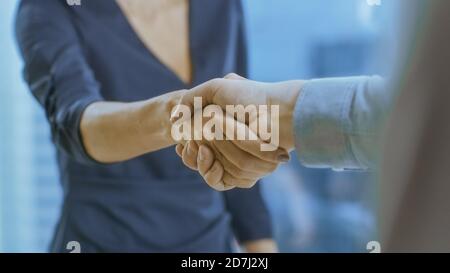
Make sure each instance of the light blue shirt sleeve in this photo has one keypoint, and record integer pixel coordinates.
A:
(338, 122)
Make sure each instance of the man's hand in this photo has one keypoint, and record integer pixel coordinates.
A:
(235, 90)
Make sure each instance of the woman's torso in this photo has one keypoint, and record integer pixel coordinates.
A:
(151, 203)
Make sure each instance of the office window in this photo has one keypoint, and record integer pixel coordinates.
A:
(29, 188)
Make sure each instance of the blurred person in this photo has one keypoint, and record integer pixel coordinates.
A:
(415, 171)
(103, 71)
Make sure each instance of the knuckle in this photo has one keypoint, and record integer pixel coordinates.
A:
(216, 84)
(229, 76)
(216, 81)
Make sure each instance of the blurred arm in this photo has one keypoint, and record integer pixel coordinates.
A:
(338, 122)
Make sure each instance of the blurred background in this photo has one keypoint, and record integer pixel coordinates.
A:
(313, 210)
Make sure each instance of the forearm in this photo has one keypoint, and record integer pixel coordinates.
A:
(114, 131)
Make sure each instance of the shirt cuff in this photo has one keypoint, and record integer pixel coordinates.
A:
(322, 123)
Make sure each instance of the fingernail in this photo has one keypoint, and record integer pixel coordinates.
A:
(284, 157)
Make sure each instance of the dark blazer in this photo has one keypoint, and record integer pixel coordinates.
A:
(75, 55)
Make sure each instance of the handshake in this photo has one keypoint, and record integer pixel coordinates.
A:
(234, 131)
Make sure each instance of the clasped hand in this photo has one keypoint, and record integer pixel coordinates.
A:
(229, 161)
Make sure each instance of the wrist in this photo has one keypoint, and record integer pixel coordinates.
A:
(154, 116)
(285, 95)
